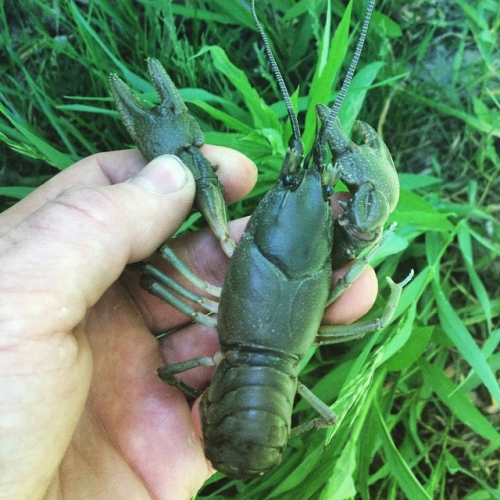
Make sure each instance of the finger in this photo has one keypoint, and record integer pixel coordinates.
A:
(101, 169)
(356, 301)
(237, 173)
(83, 239)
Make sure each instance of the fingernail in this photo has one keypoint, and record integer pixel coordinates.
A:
(162, 175)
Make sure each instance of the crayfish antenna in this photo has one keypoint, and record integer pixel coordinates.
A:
(329, 124)
(295, 143)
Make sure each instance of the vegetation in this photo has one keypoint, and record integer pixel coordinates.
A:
(418, 402)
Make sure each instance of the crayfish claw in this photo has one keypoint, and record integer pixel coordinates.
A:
(337, 139)
(373, 140)
(169, 95)
(129, 105)
(168, 128)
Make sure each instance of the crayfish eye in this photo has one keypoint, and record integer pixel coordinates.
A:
(291, 181)
(327, 191)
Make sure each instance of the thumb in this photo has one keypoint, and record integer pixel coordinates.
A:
(156, 218)
(66, 254)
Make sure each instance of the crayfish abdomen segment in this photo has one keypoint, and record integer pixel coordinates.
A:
(246, 411)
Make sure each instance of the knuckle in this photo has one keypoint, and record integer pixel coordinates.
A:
(94, 205)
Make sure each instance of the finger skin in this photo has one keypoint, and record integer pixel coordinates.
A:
(356, 301)
(84, 238)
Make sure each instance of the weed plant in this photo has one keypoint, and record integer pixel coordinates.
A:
(418, 402)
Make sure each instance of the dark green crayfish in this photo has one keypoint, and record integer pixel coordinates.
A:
(278, 281)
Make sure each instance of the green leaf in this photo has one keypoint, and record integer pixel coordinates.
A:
(467, 118)
(413, 209)
(262, 114)
(50, 154)
(224, 13)
(326, 72)
(134, 80)
(382, 23)
(85, 108)
(18, 192)
(465, 243)
(456, 331)
(341, 485)
(398, 467)
(412, 182)
(412, 349)
(356, 94)
(228, 120)
(459, 403)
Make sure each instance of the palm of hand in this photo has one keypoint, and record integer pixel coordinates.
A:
(136, 433)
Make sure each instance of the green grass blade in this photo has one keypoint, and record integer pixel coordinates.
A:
(228, 120)
(414, 209)
(51, 154)
(465, 243)
(467, 118)
(458, 334)
(356, 94)
(262, 114)
(18, 192)
(341, 484)
(224, 13)
(492, 353)
(483, 35)
(325, 74)
(137, 82)
(195, 95)
(459, 403)
(85, 108)
(398, 466)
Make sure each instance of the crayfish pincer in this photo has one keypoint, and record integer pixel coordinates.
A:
(168, 128)
(370, 175)
(277, 286)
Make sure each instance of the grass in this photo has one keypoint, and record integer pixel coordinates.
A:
(418, 401)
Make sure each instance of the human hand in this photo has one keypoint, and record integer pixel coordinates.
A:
(82, 411)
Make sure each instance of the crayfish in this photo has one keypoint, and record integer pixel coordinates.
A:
(278, 281)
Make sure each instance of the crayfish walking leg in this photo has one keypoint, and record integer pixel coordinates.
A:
(343, 333)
